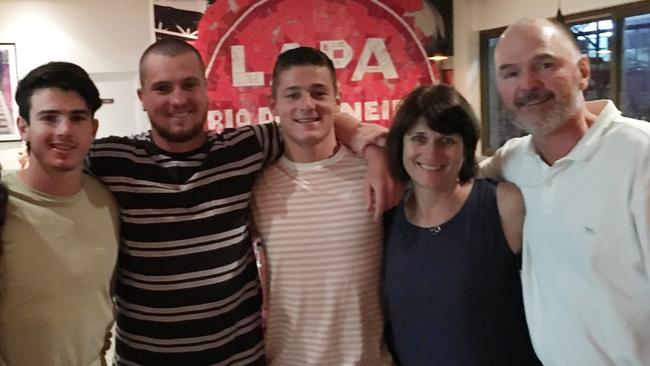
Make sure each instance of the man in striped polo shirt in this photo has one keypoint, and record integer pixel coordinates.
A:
(187, 290)
(323, 250)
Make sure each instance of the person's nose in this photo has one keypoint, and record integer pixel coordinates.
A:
(530, 80)
(179, 97)
(65, 126)
(434, 150)
(428, 149)
(307, 102)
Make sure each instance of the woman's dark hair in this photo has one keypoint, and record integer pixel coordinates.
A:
(445, 111)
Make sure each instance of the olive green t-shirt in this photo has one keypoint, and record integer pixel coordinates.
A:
(56, 261)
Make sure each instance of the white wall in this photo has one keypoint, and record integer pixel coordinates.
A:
(472, 16)
(105, 37)
(498, 13)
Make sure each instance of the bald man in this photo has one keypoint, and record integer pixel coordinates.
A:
(584, 172)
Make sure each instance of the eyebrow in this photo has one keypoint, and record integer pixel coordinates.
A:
(291, 88)
(160, 82)
(507, 66)
(318, 85)
(58, 111)
(311, 86)
(191, 79)
(415, 133)
(541, 56)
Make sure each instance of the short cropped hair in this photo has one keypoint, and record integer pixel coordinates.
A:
(170, 47)
(445, 111)
(301, 56)
(62, 75)
(563, 28)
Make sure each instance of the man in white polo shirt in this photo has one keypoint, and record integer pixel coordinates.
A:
(584, 172)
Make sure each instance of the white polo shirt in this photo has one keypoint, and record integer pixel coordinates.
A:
(586, 256)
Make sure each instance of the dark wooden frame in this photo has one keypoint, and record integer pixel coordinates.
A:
(9, 132)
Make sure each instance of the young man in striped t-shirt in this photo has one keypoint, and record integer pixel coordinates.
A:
(323, 250)
(187, 287)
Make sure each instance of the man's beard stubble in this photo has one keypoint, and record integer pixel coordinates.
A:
(550, 120)
(178, 138)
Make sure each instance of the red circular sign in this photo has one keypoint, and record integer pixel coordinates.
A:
(376, 48)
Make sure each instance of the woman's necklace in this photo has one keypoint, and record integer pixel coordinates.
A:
(457, 200)
(435, 230)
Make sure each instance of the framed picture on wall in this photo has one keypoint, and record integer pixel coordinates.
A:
(8, 84)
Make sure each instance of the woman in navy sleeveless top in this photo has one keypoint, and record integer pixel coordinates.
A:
(451, 284)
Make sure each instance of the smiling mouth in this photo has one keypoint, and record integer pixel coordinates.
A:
(430, 168)
(179, 115)
(533, 99)
(60, 146)
(306, 120)
(536, 102)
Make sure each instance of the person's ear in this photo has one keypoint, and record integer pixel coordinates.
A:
(272, 104)
(585, 71)
(338, 101)
(140, 97)
(95, 126)
(23, 128)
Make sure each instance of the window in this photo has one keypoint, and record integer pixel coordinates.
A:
(635, 86)
(617, 42)
(594, 39)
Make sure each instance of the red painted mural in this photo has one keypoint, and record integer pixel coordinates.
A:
(378, 49)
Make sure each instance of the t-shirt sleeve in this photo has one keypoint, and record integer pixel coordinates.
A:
(270, 140)
(106, 153)
(90, 162)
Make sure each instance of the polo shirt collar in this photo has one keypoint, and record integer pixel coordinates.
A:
(606, 111)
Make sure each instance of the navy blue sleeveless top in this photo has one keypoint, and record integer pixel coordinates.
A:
(453, 297)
